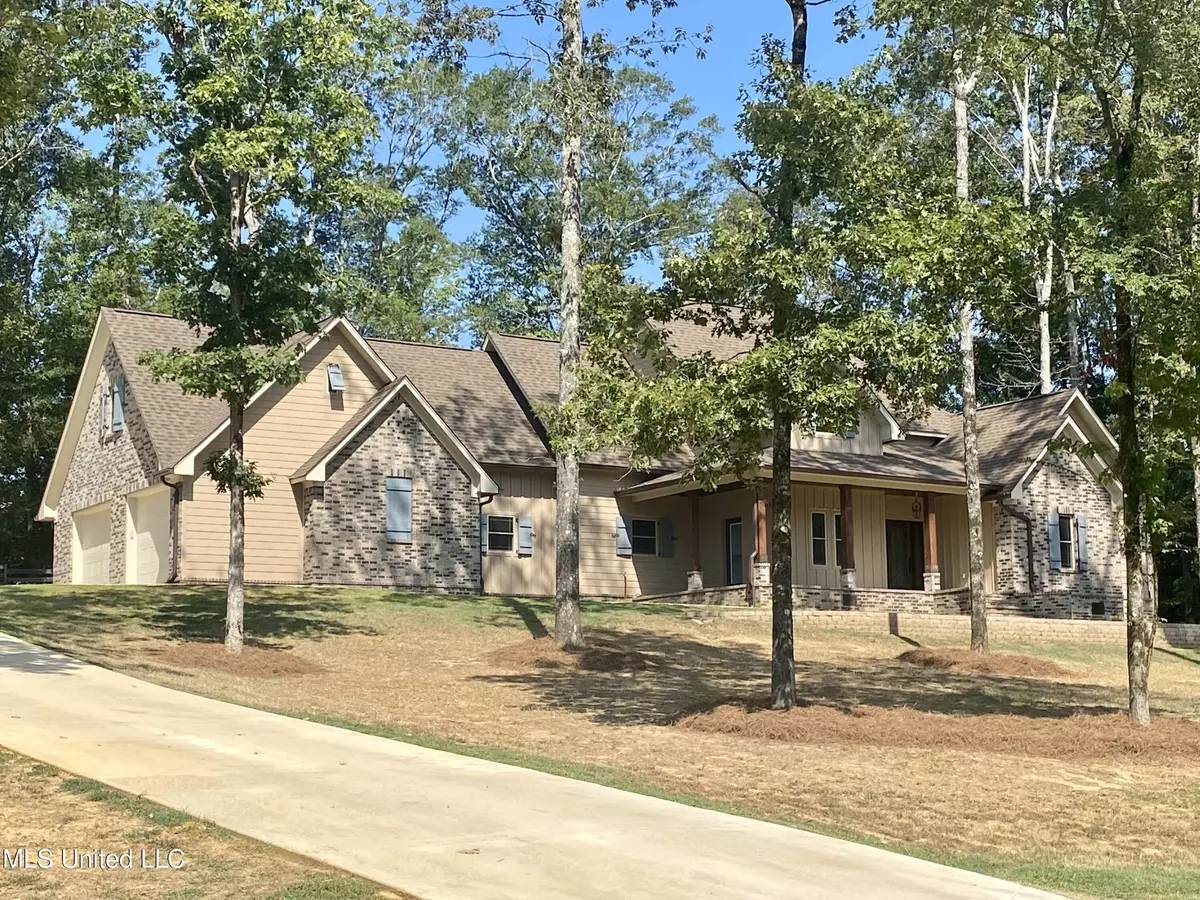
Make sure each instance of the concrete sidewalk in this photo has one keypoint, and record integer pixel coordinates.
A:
(435, 824)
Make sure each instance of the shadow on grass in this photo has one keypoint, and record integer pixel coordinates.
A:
(686, 675)
(1183, 656)
(83, 618)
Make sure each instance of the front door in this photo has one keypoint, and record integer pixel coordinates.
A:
(733, 552)
(905, 555)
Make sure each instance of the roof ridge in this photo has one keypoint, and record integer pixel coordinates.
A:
(1024, 399)
(143, 312)
(524, 337)
(381, 340)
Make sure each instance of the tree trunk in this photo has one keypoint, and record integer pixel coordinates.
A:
(568, 627)
(1044, 285)
(783, 657)
(1196, 496)
(963, 86)
(1075, 356)
(235, 594)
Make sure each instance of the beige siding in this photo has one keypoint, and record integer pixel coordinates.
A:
(952, 541)
(870, 550)
(715, 509)
(604, 574)
(523, 492)
(868, 439)
(283, 429)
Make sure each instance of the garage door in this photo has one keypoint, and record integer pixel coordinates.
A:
(92, 529)
(152, 536)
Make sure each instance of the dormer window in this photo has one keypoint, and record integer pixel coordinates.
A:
(337, 384)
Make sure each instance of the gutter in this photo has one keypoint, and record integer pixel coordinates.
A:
(1023, 517)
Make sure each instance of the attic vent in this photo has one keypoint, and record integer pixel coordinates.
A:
(336, 382)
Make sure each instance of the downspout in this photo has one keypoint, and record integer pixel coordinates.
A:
(484, 500)
(1024, 517)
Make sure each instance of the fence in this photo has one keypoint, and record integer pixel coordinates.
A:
(18, 575)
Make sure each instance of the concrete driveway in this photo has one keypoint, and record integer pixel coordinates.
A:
(435, 824)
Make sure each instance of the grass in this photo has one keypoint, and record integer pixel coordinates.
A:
(44, 807)
(453, 673)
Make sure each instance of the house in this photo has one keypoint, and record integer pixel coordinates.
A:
(418, 466)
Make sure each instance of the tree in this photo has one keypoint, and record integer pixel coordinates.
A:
(647, 185)
(263, 119)
(834, 160)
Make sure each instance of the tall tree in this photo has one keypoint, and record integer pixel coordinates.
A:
(263, 119)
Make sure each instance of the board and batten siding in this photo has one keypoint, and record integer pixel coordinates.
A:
(283, 429)
(953, 564)
(523, 492)
(870, 548)
(867, 439)
(715, 510)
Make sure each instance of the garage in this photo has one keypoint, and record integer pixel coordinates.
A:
(150, 537)
(91, 545)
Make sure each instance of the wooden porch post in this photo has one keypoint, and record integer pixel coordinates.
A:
(760, 569)
(849, 569)
(696, 575)
(933, 578)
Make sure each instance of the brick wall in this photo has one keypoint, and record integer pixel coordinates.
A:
(345, 539)
(103, 470)
(1061, 483)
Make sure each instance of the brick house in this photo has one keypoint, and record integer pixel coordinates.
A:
(425, 467)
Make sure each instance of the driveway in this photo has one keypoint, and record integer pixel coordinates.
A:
(435, 824)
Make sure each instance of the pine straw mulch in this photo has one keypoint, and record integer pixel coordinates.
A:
(1077, 736)
(601, 655)
(254, 662)
(953, 660)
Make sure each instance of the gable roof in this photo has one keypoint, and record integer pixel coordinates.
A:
(470, 394)
(314, 468)
(174, 420)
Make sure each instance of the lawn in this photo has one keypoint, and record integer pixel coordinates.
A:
(1028, 778)
(46, 808)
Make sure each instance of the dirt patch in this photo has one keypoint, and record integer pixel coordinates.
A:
(602, 655)
(952, 660)
(1079, 736)
(255, 662)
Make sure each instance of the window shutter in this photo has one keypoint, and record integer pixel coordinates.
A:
(525, 536)
(483, 535)
(118, 403)
(666, 538)
(624, 545)
(1081, 528)
(399, 509)
(1054, 537)
(103, 401)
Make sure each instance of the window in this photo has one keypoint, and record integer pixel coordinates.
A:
(820, 552)
(643, 536)
(839, 552)
(500, 533)
(1066, 541)
(334, 374)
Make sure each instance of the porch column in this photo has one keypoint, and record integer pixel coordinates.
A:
(760, 571)
(695, 578)
(849, 573)
(933, 578)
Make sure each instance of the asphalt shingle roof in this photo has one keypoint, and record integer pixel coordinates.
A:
(174, 420)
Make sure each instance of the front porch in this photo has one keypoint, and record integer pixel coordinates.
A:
(855, 545)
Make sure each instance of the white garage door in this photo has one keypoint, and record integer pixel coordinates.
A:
(92, 529)
(151, 536)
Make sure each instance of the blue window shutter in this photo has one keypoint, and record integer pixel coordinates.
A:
(483, 535)
(1081, 528)
(118, 403)
(525, 535)
(666, 538)
(103, 400)
(336, 381)
(399, 509)
(624, 545)
(1054, 537)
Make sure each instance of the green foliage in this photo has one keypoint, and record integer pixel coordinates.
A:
(647, 188)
